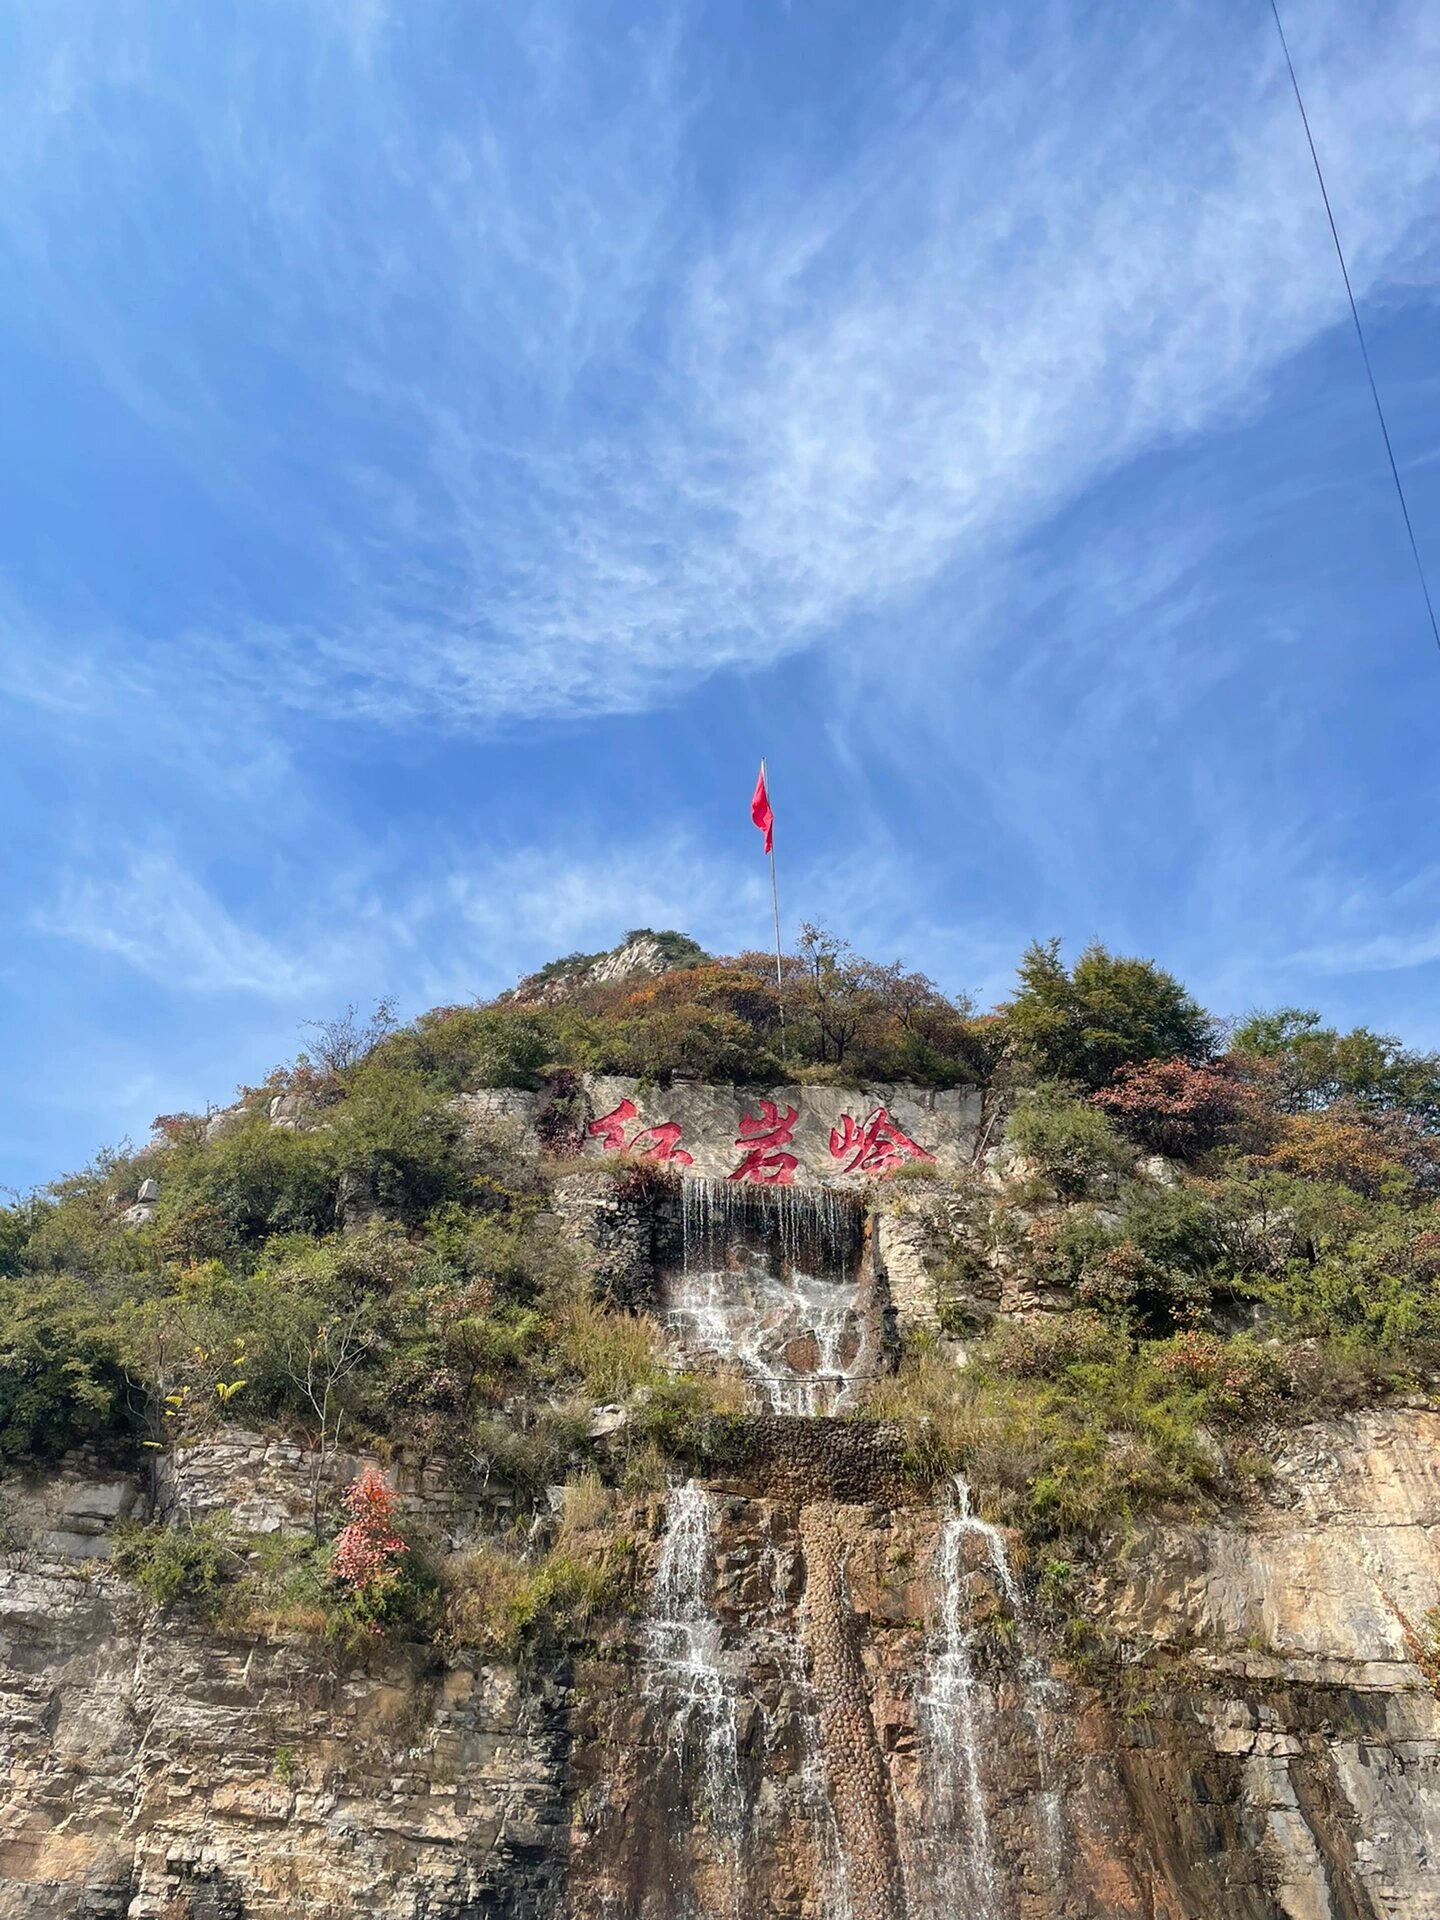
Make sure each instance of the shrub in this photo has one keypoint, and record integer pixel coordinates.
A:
(395, 1140)
(1072, 1144)
(1173, 1107)
(369, 1550)
(1380, 1288)
(384, 1585)
(608, 1353)
(258, 1179)
(511, 1257)
(339, 1045)
(458, 1048)
(528, 1456)
(1340, 1150)
(1059, 1248)
(76, 1226)
(1073, 1447)
(1042, 1348)
(17, 1224)
(179, 1566)
(1241, 1381)
(685, 1416)
(61, 1380)
(505, 1605)
(1179, 1228)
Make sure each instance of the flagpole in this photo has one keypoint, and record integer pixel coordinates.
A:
(775, 908)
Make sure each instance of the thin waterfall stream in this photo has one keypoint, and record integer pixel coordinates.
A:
(953, 1707)
(949, 1723)
(684, 1668)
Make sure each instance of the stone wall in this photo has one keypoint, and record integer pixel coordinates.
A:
(613, 1220)
(804, 1135)
(792, 1457)
(265, 1485)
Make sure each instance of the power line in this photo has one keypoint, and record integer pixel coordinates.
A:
(1359, 330)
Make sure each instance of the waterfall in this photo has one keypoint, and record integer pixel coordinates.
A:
(949, 1720)
(682, 1640)
(799, 1338)
(1035, 1683)
(770, 1278)
(814, 1226)
(950, 1706)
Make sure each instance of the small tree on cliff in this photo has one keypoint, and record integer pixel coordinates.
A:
(369, 1548)
(320, 1357)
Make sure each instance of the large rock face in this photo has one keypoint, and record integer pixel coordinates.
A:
(156, 1772)
(785, 1135)
(827, 1702)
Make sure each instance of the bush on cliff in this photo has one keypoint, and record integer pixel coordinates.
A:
(1073, 1145)
(1074, 1430)
(1176, 1108)
(179, 1566)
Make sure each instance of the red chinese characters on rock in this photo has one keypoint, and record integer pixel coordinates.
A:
(661, 1142)
(764, 1137)
(875, 1145)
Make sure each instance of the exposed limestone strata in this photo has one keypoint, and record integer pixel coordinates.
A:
(1266, 1748)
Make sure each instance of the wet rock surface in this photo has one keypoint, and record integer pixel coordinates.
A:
(1263, 1747)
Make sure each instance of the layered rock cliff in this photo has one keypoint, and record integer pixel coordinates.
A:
(789, 1726)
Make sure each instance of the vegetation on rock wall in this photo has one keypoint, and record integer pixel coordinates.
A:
(340, 1259)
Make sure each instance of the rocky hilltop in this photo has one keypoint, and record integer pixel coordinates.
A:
(970, 1462)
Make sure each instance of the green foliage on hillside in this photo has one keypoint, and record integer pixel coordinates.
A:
(361, 1268)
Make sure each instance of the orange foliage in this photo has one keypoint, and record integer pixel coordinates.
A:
(1342, 1150)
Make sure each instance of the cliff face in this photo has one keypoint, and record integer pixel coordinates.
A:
(829, 1691)
(818, 1707)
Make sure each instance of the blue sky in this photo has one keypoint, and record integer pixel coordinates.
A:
(447, 444)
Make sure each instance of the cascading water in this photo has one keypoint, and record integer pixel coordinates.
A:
(684, 1670)
(951, 1708)
(769, 1278)
(817, 1226)
(949, 1722)
(1035, 1682)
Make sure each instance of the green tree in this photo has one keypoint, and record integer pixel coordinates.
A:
(60, 1376)
(1082, 1024)
(1317, 1065)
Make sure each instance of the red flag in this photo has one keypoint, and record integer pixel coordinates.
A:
(760, 811)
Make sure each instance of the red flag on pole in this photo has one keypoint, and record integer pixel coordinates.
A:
(760, 811)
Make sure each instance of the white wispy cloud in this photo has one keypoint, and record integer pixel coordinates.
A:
(630, 442)
(457, 926)
(162, 921)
